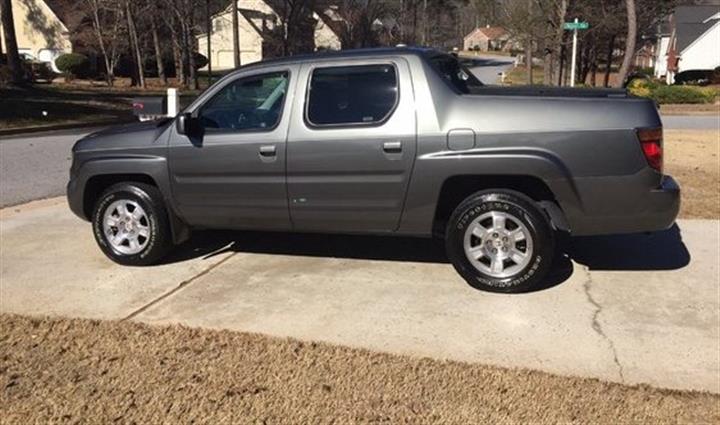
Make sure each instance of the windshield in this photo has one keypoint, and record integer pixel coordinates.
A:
(452, 71)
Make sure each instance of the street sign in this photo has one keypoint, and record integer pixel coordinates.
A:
(576, 25)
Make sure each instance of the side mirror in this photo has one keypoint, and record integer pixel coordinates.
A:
(185, 124)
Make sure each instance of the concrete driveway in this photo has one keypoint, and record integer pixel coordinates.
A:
(633, 309)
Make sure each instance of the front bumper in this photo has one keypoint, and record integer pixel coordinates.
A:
(75, 198)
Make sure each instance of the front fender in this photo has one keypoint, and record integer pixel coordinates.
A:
(154, 167)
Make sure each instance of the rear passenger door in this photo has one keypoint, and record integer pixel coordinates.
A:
(351, 145)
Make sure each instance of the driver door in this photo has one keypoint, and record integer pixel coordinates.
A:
(232, 173)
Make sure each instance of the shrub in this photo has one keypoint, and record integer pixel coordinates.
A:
(682, 94)
(73, 65)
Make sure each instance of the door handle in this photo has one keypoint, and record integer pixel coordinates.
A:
(392, 147)
(268, 150)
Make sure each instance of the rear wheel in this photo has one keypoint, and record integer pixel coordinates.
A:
(500, 241)
(131, 225)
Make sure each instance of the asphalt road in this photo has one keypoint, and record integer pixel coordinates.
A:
(689, 122)
(35, 166)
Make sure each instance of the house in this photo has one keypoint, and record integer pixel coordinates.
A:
(693, 42)
(40, 34)
(487, 38)
(256, 18)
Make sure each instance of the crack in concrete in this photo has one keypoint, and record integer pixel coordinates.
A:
(596, 323)
(180, 286)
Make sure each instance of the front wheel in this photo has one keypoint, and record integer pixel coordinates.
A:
(131, 225)
(500, 241)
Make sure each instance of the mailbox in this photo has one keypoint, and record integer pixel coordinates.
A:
(149, 106)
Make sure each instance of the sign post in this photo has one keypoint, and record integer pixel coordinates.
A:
(574, 26)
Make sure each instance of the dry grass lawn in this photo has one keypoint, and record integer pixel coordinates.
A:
(693, 158)
(75, 371)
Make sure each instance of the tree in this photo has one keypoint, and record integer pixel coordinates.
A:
(13, 57)
(630, 41)
(135, 44)
(108, 28)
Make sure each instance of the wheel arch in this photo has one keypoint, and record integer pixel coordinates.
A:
(98, 175)
(457, 188)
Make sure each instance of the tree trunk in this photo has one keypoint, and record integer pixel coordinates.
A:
(190, 37)
(109, 72)
(13, 57)
(178, 58)
(609, 61)
(158, 53)
(559, 35)
(528, 61)
(235, 35)
(135, 45)
(208, 29)
(629, 43)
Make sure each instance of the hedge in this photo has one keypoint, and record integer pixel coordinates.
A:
(662, 93)
(73, 64)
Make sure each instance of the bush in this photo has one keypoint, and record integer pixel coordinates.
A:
(661, 93)
(682, 94)
(73, 65)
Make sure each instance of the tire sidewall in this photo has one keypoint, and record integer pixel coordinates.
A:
(135, 194)
(522, 210)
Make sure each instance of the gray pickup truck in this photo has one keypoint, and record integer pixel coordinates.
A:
(400, 141)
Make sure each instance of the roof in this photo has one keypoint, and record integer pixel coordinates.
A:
(492, 33)
(372, 52)
(691, 22)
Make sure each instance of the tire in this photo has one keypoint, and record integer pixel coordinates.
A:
(137, 231)
(492, 256)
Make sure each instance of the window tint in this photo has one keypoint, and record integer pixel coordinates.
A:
(452, 71)
(252, 103)
(352, 94)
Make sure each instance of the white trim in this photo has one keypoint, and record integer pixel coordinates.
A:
(712, 18)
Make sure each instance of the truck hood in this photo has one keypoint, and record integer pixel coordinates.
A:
(123, 136)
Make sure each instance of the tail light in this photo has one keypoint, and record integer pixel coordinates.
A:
(651, 144)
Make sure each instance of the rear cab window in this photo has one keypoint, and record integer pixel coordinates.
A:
(454, 73)
(353, 95)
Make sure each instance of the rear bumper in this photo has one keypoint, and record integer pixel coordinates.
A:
(654, 210)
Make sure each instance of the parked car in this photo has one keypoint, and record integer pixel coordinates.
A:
(401, 141)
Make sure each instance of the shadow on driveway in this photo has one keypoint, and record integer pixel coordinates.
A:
(654, 251)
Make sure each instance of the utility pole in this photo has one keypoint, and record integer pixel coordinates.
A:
(236, 34)
(208, 28)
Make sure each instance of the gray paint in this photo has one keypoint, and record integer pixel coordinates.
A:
(387, 178)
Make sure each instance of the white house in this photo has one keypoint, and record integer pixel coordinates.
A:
(40, 34)
(693, 42)
(255, 17)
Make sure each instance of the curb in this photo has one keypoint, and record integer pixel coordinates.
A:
(70, 126)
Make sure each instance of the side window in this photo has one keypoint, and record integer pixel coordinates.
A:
(252, 103)
(351, 95)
